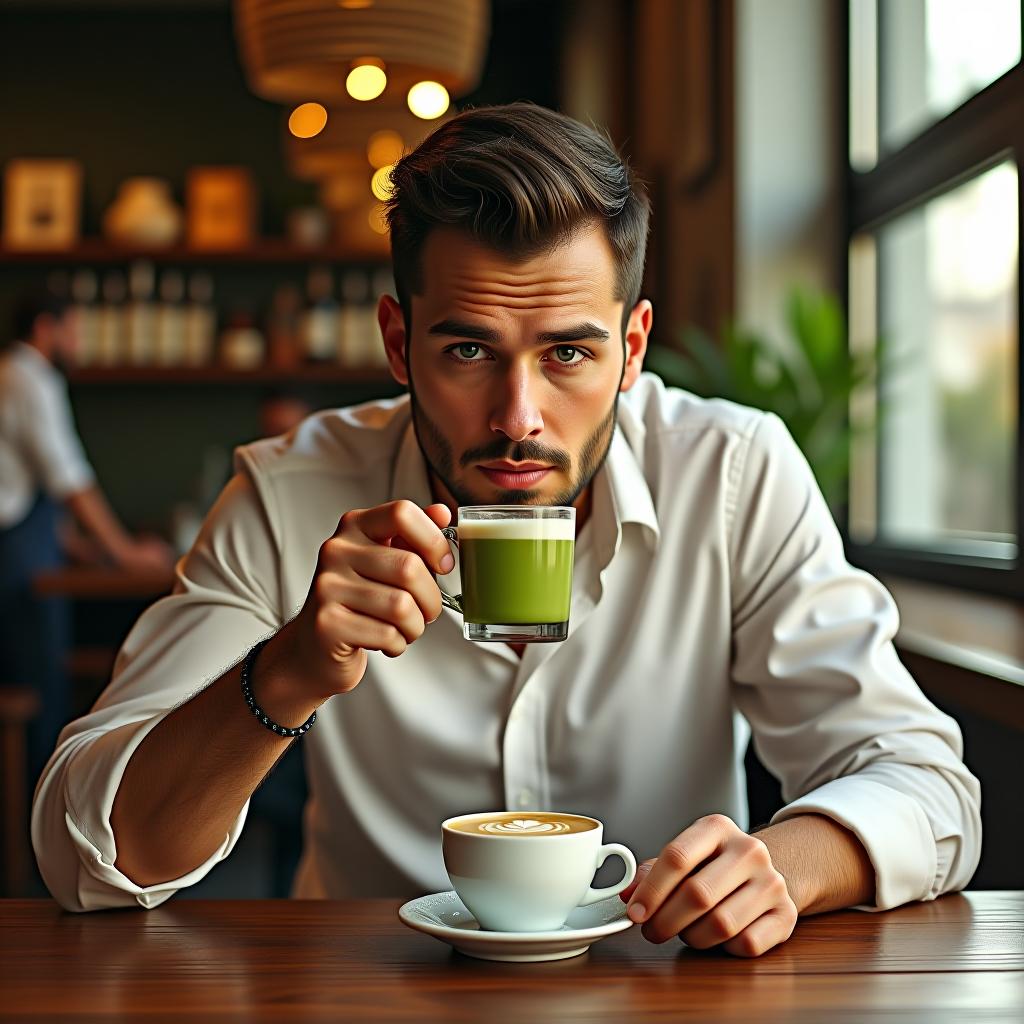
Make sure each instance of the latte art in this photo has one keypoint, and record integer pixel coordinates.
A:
(523, 826)
(511, 824)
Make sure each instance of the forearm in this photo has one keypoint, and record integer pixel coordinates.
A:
(824, 864)
(190, 777)
(91, 509)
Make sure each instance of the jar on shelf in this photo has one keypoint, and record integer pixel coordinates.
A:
(143, 214)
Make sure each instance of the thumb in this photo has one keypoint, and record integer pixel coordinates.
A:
(642, 871)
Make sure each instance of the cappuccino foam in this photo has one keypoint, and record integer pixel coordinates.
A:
(508, 825)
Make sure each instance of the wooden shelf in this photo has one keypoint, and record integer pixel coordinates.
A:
(326, 374)
(265, 250)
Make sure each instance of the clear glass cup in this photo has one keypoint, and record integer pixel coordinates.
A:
(516, 567)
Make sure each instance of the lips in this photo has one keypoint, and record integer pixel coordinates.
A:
(513, 476)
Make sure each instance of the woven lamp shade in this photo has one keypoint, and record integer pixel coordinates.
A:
(294, 51)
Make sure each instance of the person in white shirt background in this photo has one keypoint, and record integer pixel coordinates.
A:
(43, 471)
(711, 601)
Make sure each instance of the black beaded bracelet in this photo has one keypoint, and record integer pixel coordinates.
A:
(261, 715)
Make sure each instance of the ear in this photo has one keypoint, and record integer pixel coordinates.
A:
(638, 327)
(392, 330)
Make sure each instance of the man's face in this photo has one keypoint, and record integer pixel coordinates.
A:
(515, 367)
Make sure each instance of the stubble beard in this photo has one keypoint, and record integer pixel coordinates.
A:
(440, 458)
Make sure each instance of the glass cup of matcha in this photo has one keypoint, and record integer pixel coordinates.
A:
(516, 567)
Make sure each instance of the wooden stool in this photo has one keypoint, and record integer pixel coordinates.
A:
(18, 706)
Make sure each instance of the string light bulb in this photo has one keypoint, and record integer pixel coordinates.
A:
(367, 80)
(428, 100)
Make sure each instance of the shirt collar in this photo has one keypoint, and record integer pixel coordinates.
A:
(621, 494)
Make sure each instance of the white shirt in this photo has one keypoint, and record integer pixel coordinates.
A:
(710, 592)
(39, 447)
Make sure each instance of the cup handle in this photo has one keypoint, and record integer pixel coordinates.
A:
(618, 850)
(448, 600)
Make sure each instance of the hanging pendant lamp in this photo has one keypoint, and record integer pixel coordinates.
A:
(294, 51)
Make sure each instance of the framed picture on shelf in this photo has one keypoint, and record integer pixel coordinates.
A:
(221, 208)
(42, 204)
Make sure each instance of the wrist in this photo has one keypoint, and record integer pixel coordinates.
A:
(277, 686)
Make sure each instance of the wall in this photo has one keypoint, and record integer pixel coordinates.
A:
(157, 88)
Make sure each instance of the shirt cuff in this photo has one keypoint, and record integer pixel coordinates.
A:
(94, 774)
(893, 829)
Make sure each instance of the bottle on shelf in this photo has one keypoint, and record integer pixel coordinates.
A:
(358, 328)
(110, 339)
(140, 314)
(84, 290)
(242, 345)
(171, 320)
(200, 321)
(320, 321)
(284, 327)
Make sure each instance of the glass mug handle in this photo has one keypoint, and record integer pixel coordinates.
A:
(449, 601)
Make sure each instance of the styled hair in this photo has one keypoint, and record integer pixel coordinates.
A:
(521, 179)
(28, 308)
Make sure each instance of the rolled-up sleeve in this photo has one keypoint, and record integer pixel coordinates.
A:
(833, 712)
(225, 599)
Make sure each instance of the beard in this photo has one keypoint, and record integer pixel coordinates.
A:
(440, 458)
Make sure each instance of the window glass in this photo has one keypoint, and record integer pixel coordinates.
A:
(914, 61)
(945, 459)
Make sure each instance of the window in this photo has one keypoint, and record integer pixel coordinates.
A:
(936, 118)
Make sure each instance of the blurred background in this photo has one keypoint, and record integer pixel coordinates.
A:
(835, 238)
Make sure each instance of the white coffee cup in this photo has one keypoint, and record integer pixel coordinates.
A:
(522, 876)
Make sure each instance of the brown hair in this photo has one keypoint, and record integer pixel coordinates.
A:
(519, 178)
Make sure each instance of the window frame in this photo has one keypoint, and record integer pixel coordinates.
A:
(985, 130)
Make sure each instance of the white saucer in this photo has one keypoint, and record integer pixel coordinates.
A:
(445, 916)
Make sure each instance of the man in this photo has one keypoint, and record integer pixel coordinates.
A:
(710, 590)
(43, 470)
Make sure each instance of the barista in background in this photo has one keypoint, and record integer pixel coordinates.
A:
(42, 470)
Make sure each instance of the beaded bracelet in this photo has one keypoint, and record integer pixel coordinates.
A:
(281, 730)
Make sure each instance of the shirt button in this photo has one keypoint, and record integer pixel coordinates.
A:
(525, 798)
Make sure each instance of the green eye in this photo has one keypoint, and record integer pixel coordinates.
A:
(566, 353)
(467, 350)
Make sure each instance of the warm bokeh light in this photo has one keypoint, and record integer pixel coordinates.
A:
(428, 100)
(307, 120)
(355, 5)
(377, 219)
(366, 81)
(384, 147)
(380, 184)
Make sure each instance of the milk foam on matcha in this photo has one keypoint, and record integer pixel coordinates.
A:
(517, 529)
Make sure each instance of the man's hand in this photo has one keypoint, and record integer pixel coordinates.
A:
(373, 590)
(713, 885)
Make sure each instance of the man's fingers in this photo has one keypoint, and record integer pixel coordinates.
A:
(763, 934)
(345, 630)
(697, 895)
(404, 519)
(641, 874)
(724, 921)
(387, 604)
(680, 857)
(401, 570)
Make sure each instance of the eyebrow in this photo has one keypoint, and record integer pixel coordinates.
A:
(585, 331)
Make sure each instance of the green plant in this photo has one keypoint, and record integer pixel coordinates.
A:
(807, 384)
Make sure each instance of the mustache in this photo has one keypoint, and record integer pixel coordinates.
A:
(518, 451)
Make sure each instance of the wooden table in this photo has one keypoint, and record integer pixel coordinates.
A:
(959, 958)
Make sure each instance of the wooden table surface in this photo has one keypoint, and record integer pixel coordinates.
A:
(960, 958)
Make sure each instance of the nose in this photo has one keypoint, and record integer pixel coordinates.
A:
(516, 412)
